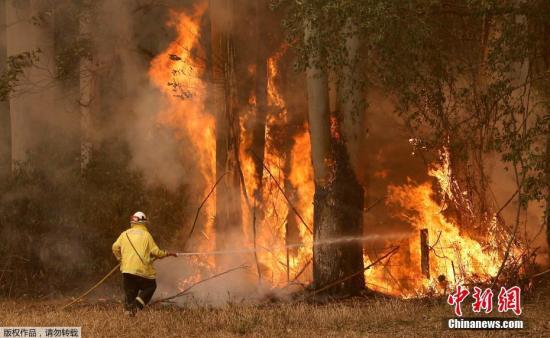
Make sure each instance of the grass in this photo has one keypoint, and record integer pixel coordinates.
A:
(352, 318)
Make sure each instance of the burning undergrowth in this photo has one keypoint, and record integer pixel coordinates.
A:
(275, 237)
(439, 253)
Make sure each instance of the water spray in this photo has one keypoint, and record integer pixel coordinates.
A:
(368, 238)
(341, 240)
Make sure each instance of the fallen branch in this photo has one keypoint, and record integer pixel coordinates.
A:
(254, 242)
(200, 207)
(326, 287)
(284, 194)
(243, 186)
(183, 292)
(301, 271)
(92, 288)
(506, 203)
(370, 207)
(253, 212)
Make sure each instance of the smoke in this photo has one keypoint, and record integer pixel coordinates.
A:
(126, 45)
(194, 273)
(531, 221)
(126, 106)
(98, 50)
(387, 158)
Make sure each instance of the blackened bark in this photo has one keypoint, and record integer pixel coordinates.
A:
(338, 199)
(228, 208)
(338, 215)
(260, 90)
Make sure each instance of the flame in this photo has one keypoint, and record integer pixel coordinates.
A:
(455, 257)
(301, 178)
(291, 170)
(280, 263)
(334, 128)
(178, 73)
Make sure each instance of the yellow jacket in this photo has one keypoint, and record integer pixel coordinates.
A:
(138, 261)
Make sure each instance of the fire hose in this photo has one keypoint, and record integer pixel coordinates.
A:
(115, 268)
(92, 288)
(178, 254)
(236, 252)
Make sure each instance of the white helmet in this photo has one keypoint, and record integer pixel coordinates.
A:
(138, 217)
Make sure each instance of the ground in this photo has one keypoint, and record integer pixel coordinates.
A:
(365, 317)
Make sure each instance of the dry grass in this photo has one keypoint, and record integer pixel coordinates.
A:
(360, 317)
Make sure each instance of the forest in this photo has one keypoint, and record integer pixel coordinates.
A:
(289, 151)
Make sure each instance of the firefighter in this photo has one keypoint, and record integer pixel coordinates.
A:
(136, 250)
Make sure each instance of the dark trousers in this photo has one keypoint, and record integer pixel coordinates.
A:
(138, 291)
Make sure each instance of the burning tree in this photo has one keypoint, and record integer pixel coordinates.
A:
(226, 110)
(282, 159)
(271, 175)
(338, 200)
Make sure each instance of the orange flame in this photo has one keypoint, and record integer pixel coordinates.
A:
(178, 73)
(454, 256)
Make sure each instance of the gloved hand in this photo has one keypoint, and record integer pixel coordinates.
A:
(171, 254)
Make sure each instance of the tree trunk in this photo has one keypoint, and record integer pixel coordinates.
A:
(228, 208)
(257, 146)
(260, 90)
(88, 92)
(318, 108)
(352, 130)
(337, 193)
(351, 98)
(5, 118)
(67, 133)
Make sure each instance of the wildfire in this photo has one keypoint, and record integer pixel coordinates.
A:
(178, 74)
(454, 257)
(290, 168)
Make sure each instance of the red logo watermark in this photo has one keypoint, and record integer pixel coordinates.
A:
(508, 300)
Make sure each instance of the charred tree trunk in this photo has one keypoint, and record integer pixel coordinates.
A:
(337, 214)
(260, 90)
(351, 102)
(5, 117)
(249, 37)
(259, 124)
(228, 208)
(338, 198)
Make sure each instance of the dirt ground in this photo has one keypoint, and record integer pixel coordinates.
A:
(379, 317)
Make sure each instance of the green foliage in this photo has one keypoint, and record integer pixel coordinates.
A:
(471, 75)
